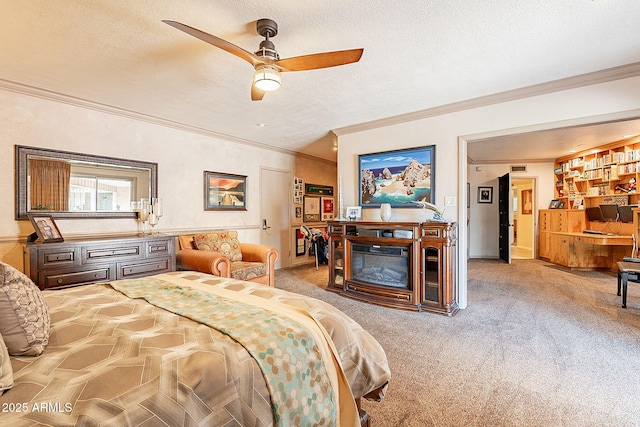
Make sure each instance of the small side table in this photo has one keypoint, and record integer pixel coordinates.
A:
(624, 268)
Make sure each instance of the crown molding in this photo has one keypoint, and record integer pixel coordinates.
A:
(104, 108)
(588, 79)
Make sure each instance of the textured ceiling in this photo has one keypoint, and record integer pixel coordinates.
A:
(418, 54)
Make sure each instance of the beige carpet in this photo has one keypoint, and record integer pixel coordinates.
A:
(538, 345)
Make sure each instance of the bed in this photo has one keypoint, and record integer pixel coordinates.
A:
(191, 349)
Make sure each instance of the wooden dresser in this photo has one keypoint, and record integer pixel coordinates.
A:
(82, 261)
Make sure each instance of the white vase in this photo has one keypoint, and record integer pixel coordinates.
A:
(385, 211)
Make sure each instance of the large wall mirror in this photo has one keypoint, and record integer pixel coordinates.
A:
(73, 185)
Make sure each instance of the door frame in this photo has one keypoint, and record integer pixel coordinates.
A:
(534, 212)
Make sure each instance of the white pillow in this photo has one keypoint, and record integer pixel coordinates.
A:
(24, 315)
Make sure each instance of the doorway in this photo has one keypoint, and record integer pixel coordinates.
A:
(275, 210)
(523, 197)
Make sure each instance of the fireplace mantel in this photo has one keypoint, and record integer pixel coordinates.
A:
(405, 265)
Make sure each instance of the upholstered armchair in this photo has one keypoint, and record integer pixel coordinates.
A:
(221, 254)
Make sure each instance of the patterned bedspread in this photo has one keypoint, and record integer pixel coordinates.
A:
(112, 360)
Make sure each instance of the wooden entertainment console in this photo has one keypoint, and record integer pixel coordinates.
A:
(405, 265)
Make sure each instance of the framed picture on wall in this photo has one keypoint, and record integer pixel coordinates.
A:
(527, 201)
(327, 208)
(398, 177)
(311, 209)
(485, 194)
(301, 244)
(224, 192)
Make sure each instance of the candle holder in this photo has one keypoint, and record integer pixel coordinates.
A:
(143, 214)
(155, 212)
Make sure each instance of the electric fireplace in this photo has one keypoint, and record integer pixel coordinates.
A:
(404, 265)
(381, 265)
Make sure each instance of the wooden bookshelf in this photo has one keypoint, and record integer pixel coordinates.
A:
(606, 175)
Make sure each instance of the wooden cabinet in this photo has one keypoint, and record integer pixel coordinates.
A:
(562, 220)
(437, 267)
(563, 242)
(83, 261)
(401, 265)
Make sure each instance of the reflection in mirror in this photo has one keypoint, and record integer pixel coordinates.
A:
(73, 185)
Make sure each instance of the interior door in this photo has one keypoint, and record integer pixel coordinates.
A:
(275, 197)
(505, 214)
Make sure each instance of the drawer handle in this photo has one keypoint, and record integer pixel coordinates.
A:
(59, 281)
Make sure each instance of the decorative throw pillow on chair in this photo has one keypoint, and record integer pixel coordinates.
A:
(224, 242)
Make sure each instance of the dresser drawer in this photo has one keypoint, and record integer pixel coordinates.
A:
(58, 257)
(62, 279)
(159, 248)
(105, 253)
(397, 295)
(127, 270)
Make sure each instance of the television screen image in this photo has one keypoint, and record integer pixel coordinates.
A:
(609, 212)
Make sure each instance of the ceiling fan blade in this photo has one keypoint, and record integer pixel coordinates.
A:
(319, 60)
(218, 42)
(256, 94)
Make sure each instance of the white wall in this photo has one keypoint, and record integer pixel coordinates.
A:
(483, 217)
(450, 133)
(182, 157)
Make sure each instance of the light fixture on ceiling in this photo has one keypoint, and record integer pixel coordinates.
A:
(267, 78)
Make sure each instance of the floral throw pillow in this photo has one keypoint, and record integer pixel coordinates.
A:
(224, 242)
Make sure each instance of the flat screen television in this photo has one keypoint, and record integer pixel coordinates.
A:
(609, 212)
(594, 213)
(625, 213)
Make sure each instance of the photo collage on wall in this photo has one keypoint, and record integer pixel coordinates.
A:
(313, 203)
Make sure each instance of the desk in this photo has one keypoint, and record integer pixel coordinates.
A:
(624, 268)
(588, 251)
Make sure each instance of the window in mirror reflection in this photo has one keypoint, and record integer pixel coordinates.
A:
(96, 194)
(59, 185)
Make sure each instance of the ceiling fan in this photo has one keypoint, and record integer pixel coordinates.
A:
(267, 62)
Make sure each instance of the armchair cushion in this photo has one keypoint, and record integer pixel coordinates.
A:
(224, 242)
(244, 270)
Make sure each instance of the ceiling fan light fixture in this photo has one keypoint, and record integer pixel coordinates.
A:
(267, 78)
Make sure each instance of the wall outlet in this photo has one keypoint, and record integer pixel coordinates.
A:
(450, 200)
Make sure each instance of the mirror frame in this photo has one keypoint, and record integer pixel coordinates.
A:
(23, 152)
